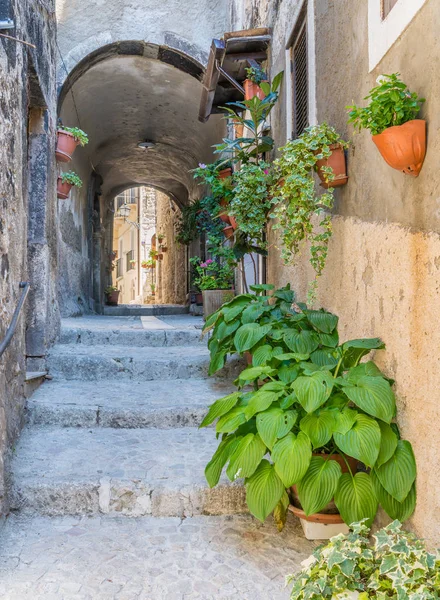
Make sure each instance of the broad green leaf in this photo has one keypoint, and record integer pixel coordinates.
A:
(292, 455)
(262, 287)
(291, 356)
(374, 395)
(280, 511)
(362, 441)
(252, 373)
(273, 424)
(394, 509)
(286, 295)
(231, 313)
(215, 466)
(318, 427)
(261, 355)
(313, 391)
(250, 334)
(288, 373)
(388, 443)
(226, 329)
(322, 358)
(329, 339)
(264, 490)
(220, 407)
(355, 498)
(344, 420)
(211, 321)
(231, 420)
(273, 386)
(354, 350)
(217, 362)
(324, 322)
(252, 313)
(319, 484)
(259, 402)
(287, 401)
(302, 342)
(246, 457)
(399, 473)
(368, 368)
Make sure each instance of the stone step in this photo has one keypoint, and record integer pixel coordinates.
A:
(92, 558)
(131, 404)
(97, 363)
(130, 310)
(135, 338)
(142, 472)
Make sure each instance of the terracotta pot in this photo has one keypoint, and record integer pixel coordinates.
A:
(228, 232)
(233, 222)
(63, 189)
(214, 299)
(199, 299)
(248, 358)
(112, 298)
(338, 163)
(160, 256)
(224, 173)
(251, 89)
(66, 144)
(403, 147)
(224, 213)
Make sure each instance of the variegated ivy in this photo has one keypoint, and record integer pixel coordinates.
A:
(396, 566)
(306, 397)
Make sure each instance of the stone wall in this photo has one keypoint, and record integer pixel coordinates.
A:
(27, 206)
(383, 272)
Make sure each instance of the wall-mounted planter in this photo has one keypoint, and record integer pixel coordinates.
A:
(252, 89)
(338, 164)
(63, 189)
(403, 147)
(228, 219)
(66, 145)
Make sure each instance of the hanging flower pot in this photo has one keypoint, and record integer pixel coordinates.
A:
(68, 138)
(224, 173)
(403, 147)
(63, 189)
(252, 89)
(338, 163)
(224, 213)
(228, 232)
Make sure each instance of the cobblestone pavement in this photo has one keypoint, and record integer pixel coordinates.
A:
(105, 558)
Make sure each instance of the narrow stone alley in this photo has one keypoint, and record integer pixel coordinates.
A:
(109, 497)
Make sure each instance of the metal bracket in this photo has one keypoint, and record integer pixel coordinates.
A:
(228, 77)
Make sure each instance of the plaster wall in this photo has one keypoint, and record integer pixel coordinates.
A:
(382, 275)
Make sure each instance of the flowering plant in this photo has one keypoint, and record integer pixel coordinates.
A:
(212, 275)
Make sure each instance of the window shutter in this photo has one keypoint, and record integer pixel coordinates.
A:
(387, 5)
(300, 80)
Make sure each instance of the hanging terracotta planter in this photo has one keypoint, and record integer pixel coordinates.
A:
(66, 145)
(252, 89)
(403, 147)
(338, 163)
(63, 189)
(224, 173)
(228, 232)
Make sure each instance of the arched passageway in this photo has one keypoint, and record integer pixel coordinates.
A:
(124, 98)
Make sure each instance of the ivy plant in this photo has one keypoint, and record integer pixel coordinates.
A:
(310, 398)
(390, 103)
(72, 178)
(397, 565)
(296, 202)
(79, 135)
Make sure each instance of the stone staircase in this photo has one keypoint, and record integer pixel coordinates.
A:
(113, 439)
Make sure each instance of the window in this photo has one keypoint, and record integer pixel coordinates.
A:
(129, 261)
(300, 76)
(387, 5)
(120, 201)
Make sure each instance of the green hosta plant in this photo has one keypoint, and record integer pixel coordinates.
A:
(79, 135)
(397, 565)
(390, 103)
(310, 398)
(72, 178)
(296, 203)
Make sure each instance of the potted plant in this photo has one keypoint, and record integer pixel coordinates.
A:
(255, 76)
(68, 138)
(318, 408)
(214, 280)
(148, 264)
(65, 183)
(391, 117)
(395, 565)
(112, 295)
(296, 203)
(153, 289)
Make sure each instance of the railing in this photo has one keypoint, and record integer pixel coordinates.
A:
(119, 268)
(25, 286)
(130, 258)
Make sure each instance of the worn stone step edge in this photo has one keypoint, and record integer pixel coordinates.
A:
(155, 310)
(131, 498)
(134, 338)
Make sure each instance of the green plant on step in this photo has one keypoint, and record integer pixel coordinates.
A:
(296, 202)
(79, 135)
(72, 178)
(396, 565)
(109, 289)
(305, 405)
(390, 103)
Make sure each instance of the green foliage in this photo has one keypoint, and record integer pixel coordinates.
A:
(109, 289)
(255, 74)
(296, 203)
(72, 178)
(187, 230)
(79, 135)
(305, 398)
(397, 565)
(390, 103)
(212, 274)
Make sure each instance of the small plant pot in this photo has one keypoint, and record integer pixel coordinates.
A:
(160, 256)
(228, 232)
(338, 164)
(214, 299)
(224, 214)
(403, 147)
(164, 248)
(320, 526)
(66, 145)
(252, 89)
(63, 189)
(112, 298)
(225, 173)
(199, 299)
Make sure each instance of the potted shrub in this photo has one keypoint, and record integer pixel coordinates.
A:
(65, 183)
(296, 203)
(214, 280)
(112, 295)
(395, 565)
(148, 264)
(391, 117)
(254, 77)
(68, 138)
(318, 408)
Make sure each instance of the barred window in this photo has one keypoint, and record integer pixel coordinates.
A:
(300, 77)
